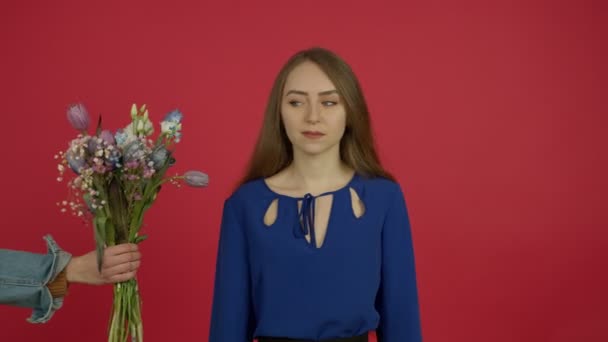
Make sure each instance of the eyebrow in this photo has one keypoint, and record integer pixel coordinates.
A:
(299, 92)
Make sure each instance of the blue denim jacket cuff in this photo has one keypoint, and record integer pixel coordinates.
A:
(48, 304)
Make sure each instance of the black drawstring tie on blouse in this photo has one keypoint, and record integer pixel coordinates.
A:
(306, 224)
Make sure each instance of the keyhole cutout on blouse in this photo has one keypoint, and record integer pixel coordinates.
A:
(357, 204)
(271, 213)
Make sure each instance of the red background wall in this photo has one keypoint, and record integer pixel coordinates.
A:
(491, 114)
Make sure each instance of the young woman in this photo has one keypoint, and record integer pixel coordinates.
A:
(315, 243)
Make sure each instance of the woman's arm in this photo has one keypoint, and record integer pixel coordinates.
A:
(397, 299)
(231, 317)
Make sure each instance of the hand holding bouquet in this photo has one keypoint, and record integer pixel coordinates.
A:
(117, 177)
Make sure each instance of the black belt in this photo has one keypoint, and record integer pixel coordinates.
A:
(360, 338)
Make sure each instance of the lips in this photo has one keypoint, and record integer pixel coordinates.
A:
(312, 134)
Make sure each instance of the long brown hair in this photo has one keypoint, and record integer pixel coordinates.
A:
(273, 151)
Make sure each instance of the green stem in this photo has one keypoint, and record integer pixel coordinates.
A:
(126, 313)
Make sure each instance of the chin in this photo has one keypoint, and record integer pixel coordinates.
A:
(314, 149)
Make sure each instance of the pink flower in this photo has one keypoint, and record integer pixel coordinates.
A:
(132, 164)
(107, 137)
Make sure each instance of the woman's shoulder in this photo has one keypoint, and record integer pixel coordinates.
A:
(253, 189)
(380, 185)
(381, 192)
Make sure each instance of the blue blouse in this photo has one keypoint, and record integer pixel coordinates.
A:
(270, 281)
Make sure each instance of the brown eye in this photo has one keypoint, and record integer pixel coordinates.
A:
(295, 103)
(329, 103)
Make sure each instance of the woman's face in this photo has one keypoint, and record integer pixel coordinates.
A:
(312, 111)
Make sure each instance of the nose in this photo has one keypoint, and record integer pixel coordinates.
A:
(313, 114)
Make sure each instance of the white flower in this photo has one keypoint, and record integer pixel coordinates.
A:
(148, 128)
(170, 126)
(125, 136)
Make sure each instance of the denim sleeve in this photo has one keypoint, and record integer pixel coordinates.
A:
(24, 277)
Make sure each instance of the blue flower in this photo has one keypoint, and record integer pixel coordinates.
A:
(174, 116)
(114, 158)
(133, 151)
(75, 163)
(121, 137)
(171, 125)
(159, 157)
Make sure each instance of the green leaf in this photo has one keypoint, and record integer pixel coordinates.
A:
(100, 238)
(118, 205)
(110, 234)
(98, 130)
(140, 238)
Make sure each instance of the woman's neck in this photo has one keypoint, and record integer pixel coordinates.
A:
(317, 173)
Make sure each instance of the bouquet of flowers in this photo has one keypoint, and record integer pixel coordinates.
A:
(117, 177)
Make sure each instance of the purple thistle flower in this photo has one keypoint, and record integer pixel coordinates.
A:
(78, 117)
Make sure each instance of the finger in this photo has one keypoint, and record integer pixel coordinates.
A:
(121, 269)
(111, 261)
(121, 277)
(121, 259)
(121, 249)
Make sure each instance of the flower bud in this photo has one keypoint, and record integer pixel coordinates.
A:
(107, 137)
(196, 179)
(78, 117)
